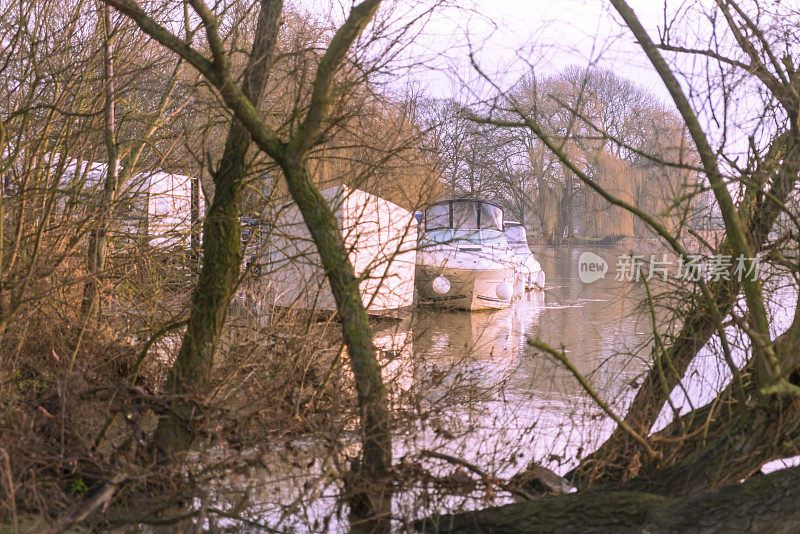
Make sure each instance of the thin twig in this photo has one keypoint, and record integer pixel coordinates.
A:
(560, 356)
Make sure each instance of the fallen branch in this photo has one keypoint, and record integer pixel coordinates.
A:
(100, 499)
(769, 503)
(478, 471)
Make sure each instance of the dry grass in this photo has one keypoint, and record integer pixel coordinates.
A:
(67, 383)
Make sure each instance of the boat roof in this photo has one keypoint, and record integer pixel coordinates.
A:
(450, 200)
(93, 175)
(512, 223)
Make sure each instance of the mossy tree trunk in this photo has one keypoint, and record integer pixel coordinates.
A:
(194, 360)
(222, 255)
(376, 454)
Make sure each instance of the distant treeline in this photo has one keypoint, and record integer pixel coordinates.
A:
(618, 133)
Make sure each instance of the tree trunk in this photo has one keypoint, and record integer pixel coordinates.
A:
(769, 503)
(738, 454)
(376, 454)
(98, 237)
(222, 256)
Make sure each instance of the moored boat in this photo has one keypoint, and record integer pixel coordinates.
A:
(463, 259)
(530, 269)
(381, 239)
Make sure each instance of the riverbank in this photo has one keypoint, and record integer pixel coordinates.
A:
(696, 242)
(471, 403)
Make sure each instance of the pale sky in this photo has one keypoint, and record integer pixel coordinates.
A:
(509, 35)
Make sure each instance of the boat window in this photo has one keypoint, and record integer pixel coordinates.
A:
(515, 234)
(465, 215)
(491, 217)
(493, 237)
(437, 217)
(468, 236)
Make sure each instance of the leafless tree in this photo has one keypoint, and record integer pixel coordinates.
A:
(752, 419)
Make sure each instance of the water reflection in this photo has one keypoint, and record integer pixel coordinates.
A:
(526, 405)
(490, 336)
(594, 322)
(487, 396)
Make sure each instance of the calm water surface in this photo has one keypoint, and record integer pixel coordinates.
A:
(488, 397)
(525, 401)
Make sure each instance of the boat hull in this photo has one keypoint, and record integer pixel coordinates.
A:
(531, 272)
(470, 289)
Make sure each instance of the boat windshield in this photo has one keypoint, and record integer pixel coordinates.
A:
(491, 217)
(465, 215)
(521, 249)
(437, 217)
(515, 234)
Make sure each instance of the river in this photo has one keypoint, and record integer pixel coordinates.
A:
(468, 385)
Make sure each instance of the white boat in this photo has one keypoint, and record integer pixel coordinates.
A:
(531, 270)
(158, 205)
(463, 259)
(380, 236)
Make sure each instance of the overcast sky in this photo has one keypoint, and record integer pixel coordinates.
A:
(509, 35)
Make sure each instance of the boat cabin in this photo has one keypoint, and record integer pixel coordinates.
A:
(476, 221)
(515, 235)
(381, 238)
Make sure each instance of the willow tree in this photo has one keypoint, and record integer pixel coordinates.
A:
(605, 124)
